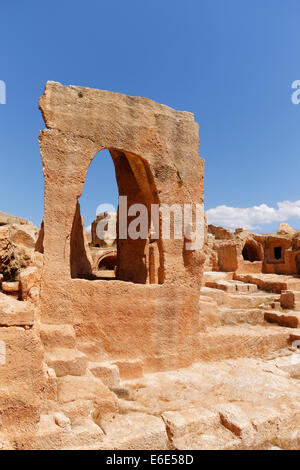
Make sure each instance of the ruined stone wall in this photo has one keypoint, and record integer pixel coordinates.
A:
(282, 254)
(245, 252)
(155, 152)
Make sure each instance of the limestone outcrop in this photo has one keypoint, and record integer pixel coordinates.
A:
(17, 246)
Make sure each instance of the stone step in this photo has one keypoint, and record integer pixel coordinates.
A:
(14, 312)
(66, 361)
(108, 373)
(198, 428)
(208, 317)
(236, 316)
(245, 287)
(208, 306)
(232, 342)
(232, 286)
(290, 319)
(295, 336)
(290, 299)
(11, 288)
(129, 369)
(289, 364)
(222, 285)
(270, 282)
(206, 298)
(220, 316)
(251, 300)
(85, 434)
(57, 336)
(71, 388)
(93, 350)
(138, 431)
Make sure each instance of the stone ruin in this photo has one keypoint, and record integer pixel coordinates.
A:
(245, 252)
(142, 344)
(103, 246)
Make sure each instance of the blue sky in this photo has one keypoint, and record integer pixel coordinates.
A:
(230, 62)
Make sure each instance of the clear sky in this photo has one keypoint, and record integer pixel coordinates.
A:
(230, 62)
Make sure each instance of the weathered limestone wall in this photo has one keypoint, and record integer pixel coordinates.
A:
(155, 152)
(22, 378)
(245, 252)
(288, 263)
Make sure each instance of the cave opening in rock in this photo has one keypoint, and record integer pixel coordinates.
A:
(251, 252)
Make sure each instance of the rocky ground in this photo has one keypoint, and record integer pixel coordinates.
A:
(243, 392)
(234, 404)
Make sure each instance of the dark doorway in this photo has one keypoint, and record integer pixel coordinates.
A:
(277, 252)
(108, 262)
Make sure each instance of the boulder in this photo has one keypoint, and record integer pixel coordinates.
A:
(285, 229)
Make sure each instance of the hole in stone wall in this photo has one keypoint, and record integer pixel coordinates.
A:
(130, 176)
(107, 265)
(251, 252)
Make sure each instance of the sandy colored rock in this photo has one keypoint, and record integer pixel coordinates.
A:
(6, 219)
(25, 235)
(71, 388)
(66, 362)
(137, 431)
(285, 229)
(108, 373)
(15, 313)
(57, 336)
(11, 287)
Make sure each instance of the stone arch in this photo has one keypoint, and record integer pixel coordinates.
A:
(136, 261)
(252, 251)
(159, 323)
(106, 261)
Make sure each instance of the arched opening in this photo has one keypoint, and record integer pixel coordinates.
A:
(136, 260)
(105, 266)
(251, 252)
(108, 263)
